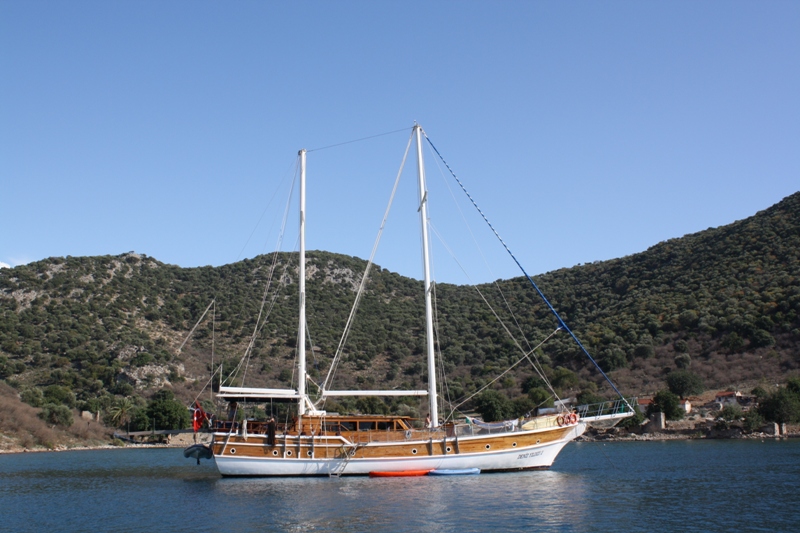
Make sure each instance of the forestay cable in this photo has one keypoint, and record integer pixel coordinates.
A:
(561, 322)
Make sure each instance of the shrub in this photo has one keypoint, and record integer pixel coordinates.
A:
(372, 405)
(6, 368)
(32, 397)
(59, 415)
(759, 392)
(531, 383)
(644, 351)
(59, 395)
(633, 421)
(731, 412)
(762, 338)
(564, 378)
(683, 361)
(613, 358)
(681, 346)
(142, 359)
(733, 342)
(752, 421)
(540, 397)
(522, 406)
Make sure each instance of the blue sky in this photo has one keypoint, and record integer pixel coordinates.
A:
(586, 130)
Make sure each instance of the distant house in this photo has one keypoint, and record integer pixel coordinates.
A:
(686, 405)
(644, 403)
(728, 398)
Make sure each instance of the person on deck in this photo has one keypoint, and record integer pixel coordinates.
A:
(271, 431)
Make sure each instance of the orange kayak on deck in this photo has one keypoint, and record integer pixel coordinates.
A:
(402, 473)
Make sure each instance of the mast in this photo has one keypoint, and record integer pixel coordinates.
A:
(301, 334)
(423, 215)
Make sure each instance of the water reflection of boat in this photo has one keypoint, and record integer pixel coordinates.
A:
(316, 442)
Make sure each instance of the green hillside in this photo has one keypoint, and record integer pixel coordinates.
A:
(723, 302)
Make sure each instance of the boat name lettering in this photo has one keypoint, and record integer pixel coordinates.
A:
(529, 454)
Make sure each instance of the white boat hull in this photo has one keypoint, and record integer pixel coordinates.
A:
(531, 457)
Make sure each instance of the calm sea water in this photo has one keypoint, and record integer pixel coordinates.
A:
(626, 486)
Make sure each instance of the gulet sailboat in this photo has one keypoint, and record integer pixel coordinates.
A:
(319, 443)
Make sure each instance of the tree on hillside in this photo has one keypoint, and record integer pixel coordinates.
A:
(540, 397)
(683, 361)
(684, 383)
(668, 403)
(783, 406)
(493, 405)
(166, 412)
(120, 412)
(59, 395)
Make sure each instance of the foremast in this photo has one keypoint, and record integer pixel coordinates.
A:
(423, 215)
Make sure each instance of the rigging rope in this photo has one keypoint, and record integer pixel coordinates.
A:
(506, 371)
(343, 340)
(496, 315)
(195, 326)
(357, 140)
(245, 359)
(561, 322)
(480, 250)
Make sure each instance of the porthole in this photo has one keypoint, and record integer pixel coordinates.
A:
(414, 451)
(449, 449)
(275, 453)
(488, 446)
(308, 453)
(288, 453)
(233, 451)
(538, 441)
(513, 444)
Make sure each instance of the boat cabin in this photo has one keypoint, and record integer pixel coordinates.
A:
(342, 424)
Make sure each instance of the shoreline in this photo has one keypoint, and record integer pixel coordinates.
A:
(589, 436)
(88, 447)
(615, 435)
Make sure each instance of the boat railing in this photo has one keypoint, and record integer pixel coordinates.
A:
(471, 427)
(477, 427)
(606, 414)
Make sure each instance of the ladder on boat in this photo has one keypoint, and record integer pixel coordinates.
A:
(348, 451)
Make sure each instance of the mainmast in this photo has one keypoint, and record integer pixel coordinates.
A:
(423, 215)
(301, 334)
